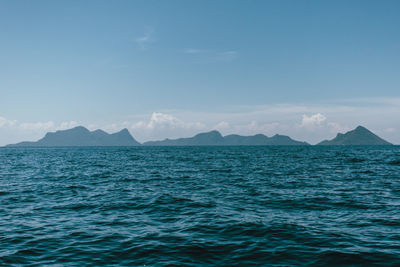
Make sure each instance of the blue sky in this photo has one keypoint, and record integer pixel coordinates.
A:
(174, 68)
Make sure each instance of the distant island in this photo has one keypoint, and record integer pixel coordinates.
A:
(80, 136)
(214, 138)
(359, 136)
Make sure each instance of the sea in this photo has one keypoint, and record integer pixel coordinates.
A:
(200, 206)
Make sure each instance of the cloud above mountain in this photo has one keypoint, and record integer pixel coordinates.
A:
(315, 120)
(5, 122)
(311, 123)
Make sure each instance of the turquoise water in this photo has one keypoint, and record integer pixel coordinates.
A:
(197, 206)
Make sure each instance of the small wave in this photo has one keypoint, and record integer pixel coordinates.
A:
(356, 160)
(330, 258)
(395, 162)
(226, 206)
(76, 207)
(386, 222)
(78, 187)
(221, 170)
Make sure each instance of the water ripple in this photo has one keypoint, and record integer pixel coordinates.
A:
(195, 206)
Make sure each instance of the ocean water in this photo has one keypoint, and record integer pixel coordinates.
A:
(200, 206)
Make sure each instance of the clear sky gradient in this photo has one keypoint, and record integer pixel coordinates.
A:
(308, 69)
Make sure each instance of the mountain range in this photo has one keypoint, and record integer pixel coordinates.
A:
(80, 136)
(214, 138)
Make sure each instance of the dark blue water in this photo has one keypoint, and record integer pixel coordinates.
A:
(193, 206)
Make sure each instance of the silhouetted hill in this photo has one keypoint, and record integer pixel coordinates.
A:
(262, 140)
(202, 139)
(214, 138)
(358, 136)
(80, 136)
(283, 140)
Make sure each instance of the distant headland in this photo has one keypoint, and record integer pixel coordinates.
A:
(80, 136)
(358, 136)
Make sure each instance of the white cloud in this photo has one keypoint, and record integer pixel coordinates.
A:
(195, 51)
(335, 127)
(6, 122)
(222, 126)
(37, 126)
(390, 130)
(208, 56)
(67, 125)
(227, 56)
(147, 38)
(255, 127)
(92, 127)
(251, 128)
(164, 125)
(12, 131)
(310, 122)
(46, 126)
(110, 128)
(160, 120)
(316, 127)
(164, 120)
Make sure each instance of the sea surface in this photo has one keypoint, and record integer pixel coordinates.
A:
(200, 206)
